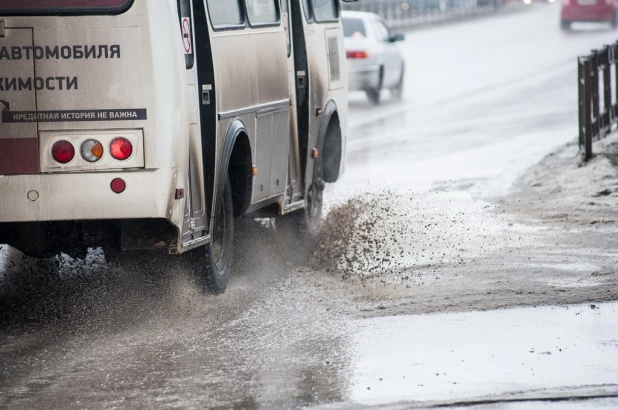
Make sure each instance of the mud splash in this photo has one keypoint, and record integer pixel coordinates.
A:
(361, 237)
(398, 237)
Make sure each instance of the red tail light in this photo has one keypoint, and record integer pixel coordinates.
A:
(356, 54)
(63, 152)
(121, 149)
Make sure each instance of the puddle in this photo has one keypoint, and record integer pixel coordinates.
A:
(456, 356)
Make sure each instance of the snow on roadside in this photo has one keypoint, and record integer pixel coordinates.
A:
(563, 188)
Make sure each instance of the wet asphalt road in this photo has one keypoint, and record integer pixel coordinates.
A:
(484, 101)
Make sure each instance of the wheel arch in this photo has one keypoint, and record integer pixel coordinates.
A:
(237, 162)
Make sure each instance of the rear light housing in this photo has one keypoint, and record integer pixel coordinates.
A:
(63, 152)
(91, 150)
(121, 149)
(356, 54)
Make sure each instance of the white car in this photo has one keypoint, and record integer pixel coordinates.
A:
(374, 59)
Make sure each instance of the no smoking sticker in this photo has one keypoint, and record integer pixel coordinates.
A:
(186, 35)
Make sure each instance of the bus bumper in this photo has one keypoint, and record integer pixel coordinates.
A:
(87, 196)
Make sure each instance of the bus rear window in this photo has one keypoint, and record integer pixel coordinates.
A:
(64, 6)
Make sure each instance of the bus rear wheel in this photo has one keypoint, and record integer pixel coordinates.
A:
(306, 221)
(214, 264)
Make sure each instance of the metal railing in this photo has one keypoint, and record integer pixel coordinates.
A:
(400, 14)
(598, 97)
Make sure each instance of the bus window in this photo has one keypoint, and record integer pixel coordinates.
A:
(325, 10)
(307, 10)
(225, 13)
(64, 6)
(262, 12)
(285, 16)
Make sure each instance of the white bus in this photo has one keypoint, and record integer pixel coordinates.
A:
(152, 124)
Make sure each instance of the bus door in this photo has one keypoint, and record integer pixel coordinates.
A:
(197, 218)
(324, 49)
(18, 125)
(291, 16)
(195, 39)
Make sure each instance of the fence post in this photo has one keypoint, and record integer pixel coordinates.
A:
(594, 82)
(614, 58)
(581, 88)
(607, 91)
(587, 105)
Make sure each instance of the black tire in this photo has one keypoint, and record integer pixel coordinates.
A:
(212, 264)
(565, 25)
(306, 222)
(397, 91)
(332, 152)
(374, 94)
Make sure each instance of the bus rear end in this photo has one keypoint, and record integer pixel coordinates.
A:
(89, 146)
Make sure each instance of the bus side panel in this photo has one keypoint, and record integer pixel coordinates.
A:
(252, 67)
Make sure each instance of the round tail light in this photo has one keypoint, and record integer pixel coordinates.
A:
(121, 148)
(92, 150)
(63, 152)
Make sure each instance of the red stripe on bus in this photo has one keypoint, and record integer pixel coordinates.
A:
(19, 156)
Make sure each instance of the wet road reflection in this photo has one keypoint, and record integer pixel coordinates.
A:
(108, 337)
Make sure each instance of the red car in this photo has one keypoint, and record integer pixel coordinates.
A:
(587, 10)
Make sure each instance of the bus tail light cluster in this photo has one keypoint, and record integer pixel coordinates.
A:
(92, 150)
(356, 54)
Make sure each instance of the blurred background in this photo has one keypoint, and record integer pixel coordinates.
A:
(401, 13)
